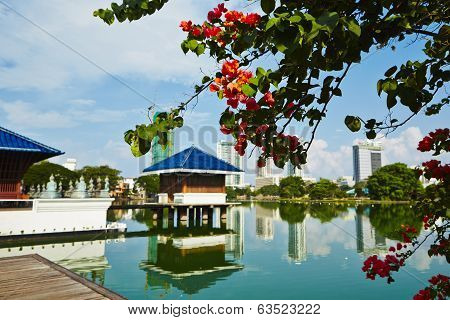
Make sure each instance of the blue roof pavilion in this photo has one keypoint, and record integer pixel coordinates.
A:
(192, 160)
(17, 154)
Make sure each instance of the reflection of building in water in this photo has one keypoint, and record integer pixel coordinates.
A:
(187, 263)
(297, 242)
(86, 258)
(235, 241)
(368, 240)
(264, 221)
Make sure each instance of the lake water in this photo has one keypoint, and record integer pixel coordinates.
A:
(275, 251)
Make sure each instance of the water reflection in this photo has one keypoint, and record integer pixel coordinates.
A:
(253, 254)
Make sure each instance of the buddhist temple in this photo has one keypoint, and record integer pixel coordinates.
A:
(17, 154)
(192, 176)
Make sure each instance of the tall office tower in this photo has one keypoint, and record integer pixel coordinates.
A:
(366, 160)
(158, 152)
(293, 171)
(297, 242)
(226, 152)
(265, 171)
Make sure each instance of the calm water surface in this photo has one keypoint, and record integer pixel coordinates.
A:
(276, 251)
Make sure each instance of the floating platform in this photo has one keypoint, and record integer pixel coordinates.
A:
(32, 277)
(173, 205)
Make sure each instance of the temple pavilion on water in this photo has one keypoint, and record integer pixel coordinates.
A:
(17, 154)
(192, 176)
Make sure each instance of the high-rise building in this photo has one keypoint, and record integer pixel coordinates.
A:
(293, 171)
(158, 152)
(366, 160)
(297, 242)
(266, 171)
(70, 164)
(226, 152)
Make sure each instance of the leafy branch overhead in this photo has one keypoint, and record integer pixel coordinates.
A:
(315, 43)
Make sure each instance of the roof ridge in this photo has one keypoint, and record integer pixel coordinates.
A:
(31, 140)
(186, 157)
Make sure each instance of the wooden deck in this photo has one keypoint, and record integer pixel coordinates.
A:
(32, 277)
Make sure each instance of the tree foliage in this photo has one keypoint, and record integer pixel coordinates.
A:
(394, 182)
(315, 43)
(292, 187)
(325, 189)
(39, 174)
(150, 183)
(95, 172)
(270, 190)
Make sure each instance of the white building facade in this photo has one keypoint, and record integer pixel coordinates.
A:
(70, 164)
(226, 152)
(366, 160)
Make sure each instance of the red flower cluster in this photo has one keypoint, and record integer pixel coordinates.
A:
(434, 140)
(230, 84)
(434, 169)
(408, 233)
(440, 249)
(374, 266)
(439, 289)
(216, 27)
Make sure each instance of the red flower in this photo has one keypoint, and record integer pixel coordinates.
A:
(222, 8)
(252, 105)
(293, 143)
(211, 31)
(230, 68)
(213, 87)
(197, 31)
(425, 145)
(424, 294)
(262, 128)
(399, 246)
(289, 110)
(225, 130)
(186, 25)
(268, 98)
(261, 163)
(233, 16)
(252, 19)
(233, 102)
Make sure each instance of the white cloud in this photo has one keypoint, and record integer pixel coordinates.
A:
(23, 114)
(82, 102)
(26, 115)
(149, 48)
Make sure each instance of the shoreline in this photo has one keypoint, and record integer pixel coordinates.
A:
(339, 201)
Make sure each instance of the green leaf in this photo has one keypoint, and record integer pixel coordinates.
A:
(353, 123)
(389, 85)
(200, 49)
(391, 100)
(260, 72)
(271, 23)
(206, 79)
(268, 6)
(354, 27)
(390, 71)
(371, 134)
(328, 19)
(379, 87)
(192, 44)
(248, 90)
(337, 92)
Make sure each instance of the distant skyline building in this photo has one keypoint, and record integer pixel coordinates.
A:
(297, 242)
(70, 164)
(366, 160)
(226, 152)
(158, 153)
(293, 171)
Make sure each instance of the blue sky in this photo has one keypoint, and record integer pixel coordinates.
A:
(52, 94)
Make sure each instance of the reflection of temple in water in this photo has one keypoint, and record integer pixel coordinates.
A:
(189, 262)
(368, 240)
(87, 258)
(235, 242)
(264, 221)
(297, 242)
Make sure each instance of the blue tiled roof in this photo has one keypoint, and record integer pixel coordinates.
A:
(192, 159)
(15, 142)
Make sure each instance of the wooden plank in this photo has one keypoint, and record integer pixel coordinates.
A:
(32, 277)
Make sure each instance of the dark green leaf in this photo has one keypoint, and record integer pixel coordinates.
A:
(268, 6)
(353, 123)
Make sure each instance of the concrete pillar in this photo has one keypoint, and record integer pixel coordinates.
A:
(183, 213)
